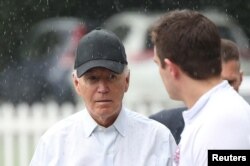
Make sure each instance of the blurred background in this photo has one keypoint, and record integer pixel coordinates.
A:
(38, 40)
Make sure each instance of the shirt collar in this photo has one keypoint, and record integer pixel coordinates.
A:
(121, 122)
(192, 112)
(90, 124)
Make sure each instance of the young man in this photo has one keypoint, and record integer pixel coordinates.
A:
(231, 72)
(105, 133)
(187, 52)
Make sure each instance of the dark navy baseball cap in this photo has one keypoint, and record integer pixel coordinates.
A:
(100, 48)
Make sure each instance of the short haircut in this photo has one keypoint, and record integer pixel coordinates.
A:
(229, 51)
(191, 41)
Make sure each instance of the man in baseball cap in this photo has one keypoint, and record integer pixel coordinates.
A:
(105, 132)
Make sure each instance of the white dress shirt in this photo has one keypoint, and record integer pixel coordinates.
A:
(220, 119)
(133, 140)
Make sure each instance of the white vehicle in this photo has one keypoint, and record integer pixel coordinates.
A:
(133, 27)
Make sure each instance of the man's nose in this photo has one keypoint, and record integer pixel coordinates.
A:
(103, 87)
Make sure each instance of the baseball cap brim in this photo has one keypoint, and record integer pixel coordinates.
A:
(108, 64)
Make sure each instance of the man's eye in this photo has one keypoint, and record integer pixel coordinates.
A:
(93, 78)
(231, 82)
(112, 77)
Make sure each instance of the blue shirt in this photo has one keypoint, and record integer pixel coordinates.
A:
(132, 140)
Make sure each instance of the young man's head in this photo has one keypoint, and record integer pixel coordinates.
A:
(231, 63)
(187, 52)
(191, 41)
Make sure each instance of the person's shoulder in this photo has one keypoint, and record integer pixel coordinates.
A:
(137, 117)
(168, 112)
(168, 115)
(63, 125)
(231, 101)
(143, 122)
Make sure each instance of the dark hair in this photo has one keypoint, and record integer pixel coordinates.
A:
(190, 40)
(229, 51)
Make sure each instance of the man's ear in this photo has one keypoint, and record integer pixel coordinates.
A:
(172, 67)
(241, 76)
(76, 80)
(127, 80)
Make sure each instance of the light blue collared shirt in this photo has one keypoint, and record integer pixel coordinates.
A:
(132, 140)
